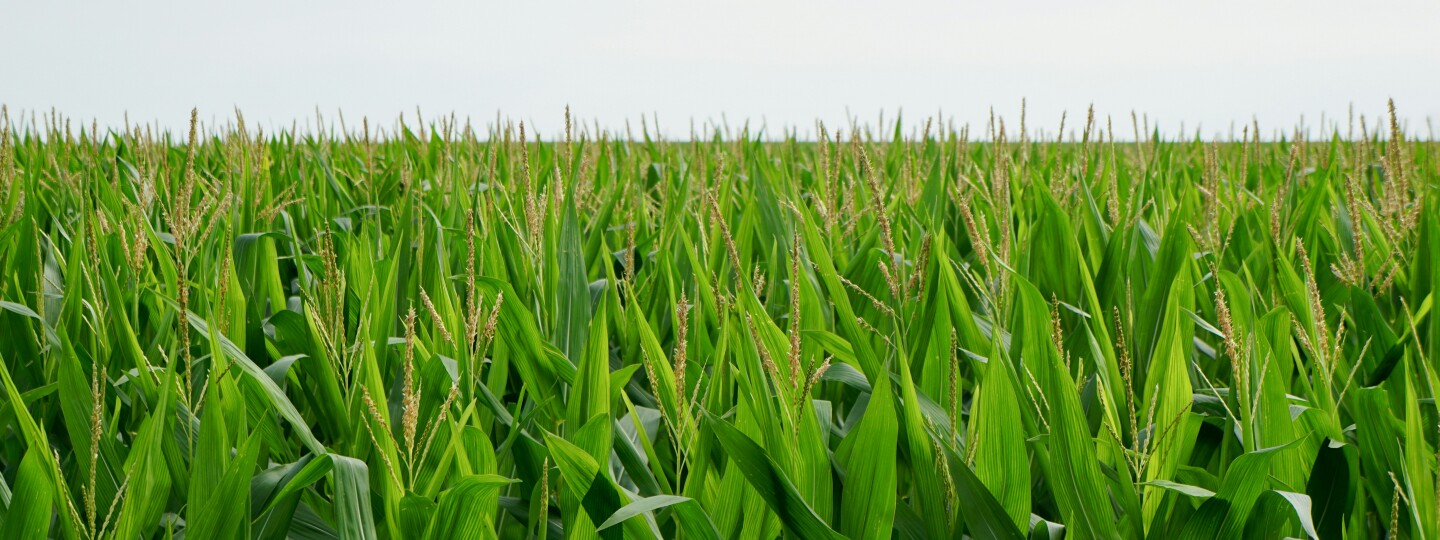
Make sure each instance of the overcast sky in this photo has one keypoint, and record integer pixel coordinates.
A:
(781, 63)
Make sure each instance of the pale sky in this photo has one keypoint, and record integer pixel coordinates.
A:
(781, 63)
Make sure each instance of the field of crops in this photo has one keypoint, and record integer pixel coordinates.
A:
(908, 331)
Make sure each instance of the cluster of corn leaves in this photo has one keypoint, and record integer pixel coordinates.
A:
(439, 334)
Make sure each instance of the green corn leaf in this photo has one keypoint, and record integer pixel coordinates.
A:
(466, 509)
(28, 517)
(867, 456)
(1072, 469)
(770, 482)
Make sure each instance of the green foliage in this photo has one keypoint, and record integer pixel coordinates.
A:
(428, 332)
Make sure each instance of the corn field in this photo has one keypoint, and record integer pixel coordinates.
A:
(911, 330)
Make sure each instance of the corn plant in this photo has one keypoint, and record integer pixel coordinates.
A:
(432, 330)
